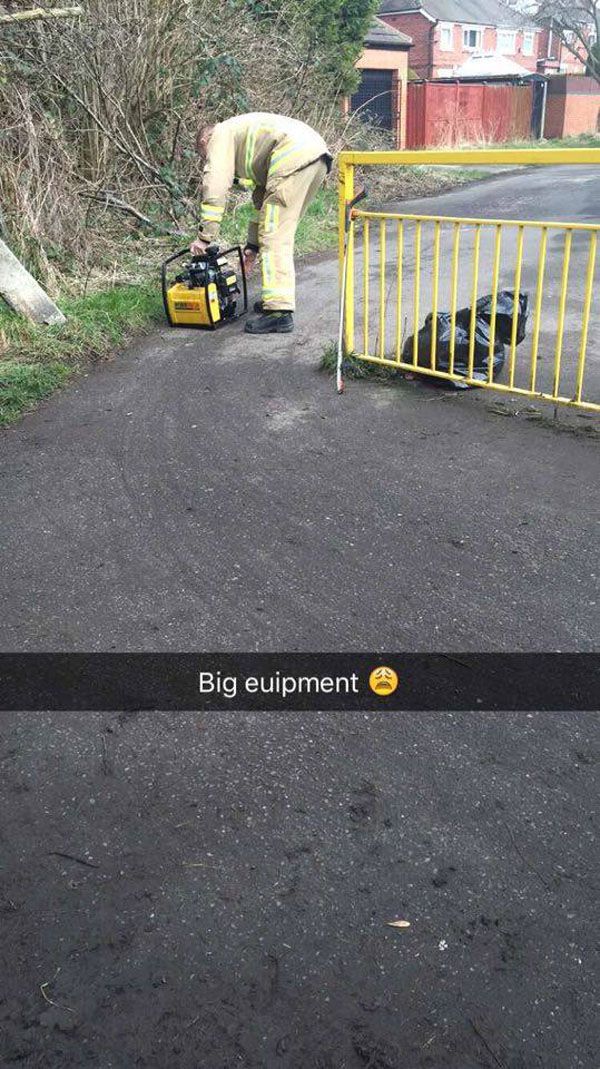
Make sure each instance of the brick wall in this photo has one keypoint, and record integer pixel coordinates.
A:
(581, 115)
(419, 28)
(573, 106)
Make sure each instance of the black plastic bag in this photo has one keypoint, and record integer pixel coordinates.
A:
(462, 333)
(505, 309)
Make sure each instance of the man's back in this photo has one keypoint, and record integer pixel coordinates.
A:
(265, 147)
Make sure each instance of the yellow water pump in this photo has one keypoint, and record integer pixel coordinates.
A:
(208, 291)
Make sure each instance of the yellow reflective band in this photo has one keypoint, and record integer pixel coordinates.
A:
(267, 268)
(212, 211)
(250, 143)
(283, 154)
(271, 218)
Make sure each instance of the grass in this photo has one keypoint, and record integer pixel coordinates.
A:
(37, 360)
(23, 385)
(95, 325)
(578, 141)
(357, 369)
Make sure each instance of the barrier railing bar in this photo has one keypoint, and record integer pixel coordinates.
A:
(500, 387)
(552, 225)
(474, 292)
(366, 268)
(562, 308)
(436, 293)
(495, 284)
(346, 179)
(473, 157)
(454, 295)
(418, 229)
(517, 309)
(535, 345)
(382, 234)
(399, 286)
(587, 308)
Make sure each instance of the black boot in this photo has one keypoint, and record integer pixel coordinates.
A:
(271, 323)
(259, 307)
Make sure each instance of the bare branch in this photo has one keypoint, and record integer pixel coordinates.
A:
(42, 13)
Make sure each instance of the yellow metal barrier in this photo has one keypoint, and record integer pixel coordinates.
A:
(513, 253)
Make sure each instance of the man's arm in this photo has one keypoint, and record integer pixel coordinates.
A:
(219, 172)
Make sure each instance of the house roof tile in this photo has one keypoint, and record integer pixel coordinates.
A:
(385, 36)
(476, 12)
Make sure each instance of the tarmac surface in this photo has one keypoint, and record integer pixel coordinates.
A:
(213, 890)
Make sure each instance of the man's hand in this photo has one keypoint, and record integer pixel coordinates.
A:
(199, 247)
(250, 258)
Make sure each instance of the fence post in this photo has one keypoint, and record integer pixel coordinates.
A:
(346, 195)
(21, 291)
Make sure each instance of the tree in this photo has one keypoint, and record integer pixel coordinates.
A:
(575, 22)
(99, 113)
(333, 32)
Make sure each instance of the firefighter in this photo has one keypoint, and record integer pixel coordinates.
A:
(286, 162)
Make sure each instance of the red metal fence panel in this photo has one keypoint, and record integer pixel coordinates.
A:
(444, 114)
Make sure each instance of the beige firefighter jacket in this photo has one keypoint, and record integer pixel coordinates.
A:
(257, 148)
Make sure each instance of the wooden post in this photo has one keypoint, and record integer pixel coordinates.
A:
(21, 291)
(42, 13)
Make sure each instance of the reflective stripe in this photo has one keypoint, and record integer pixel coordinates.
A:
(253, 133)
(277, 300)
(250, 143)
(272, 294)
(271, 218)
(212, 212)
(282, 154)
(267, 268)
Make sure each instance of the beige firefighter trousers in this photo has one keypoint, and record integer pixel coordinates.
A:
(280, 213)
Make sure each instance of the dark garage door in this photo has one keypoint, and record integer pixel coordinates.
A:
(375, 98)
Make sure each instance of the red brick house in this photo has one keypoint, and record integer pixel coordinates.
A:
(555, 57)
(445, 33)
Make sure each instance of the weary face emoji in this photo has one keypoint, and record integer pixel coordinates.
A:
(383, 681)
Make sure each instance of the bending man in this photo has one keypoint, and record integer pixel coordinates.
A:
(286, 162)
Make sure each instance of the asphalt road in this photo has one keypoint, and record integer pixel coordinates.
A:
(229, 877)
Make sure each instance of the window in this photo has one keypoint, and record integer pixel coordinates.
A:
(447, 37)
(472, 38)
(507, 42)
(529, 43)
